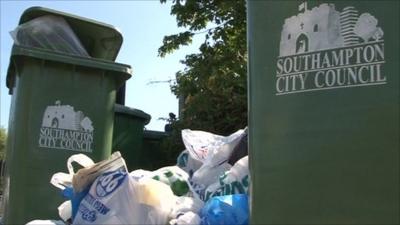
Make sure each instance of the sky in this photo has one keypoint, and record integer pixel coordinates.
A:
(143, 25)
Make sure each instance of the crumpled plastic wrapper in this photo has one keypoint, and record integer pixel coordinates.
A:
(51, 33)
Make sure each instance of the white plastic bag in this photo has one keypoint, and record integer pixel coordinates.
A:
(202, 145)
(234, 181)
(138, 174)
(205, 176)
(64, 180)
(117, 198)
(214, 151)
(186, 204)
(155, 199)
(45, 222)
(85, 176)
(186, 162)
(175, 177)
(65, 210)
(81, 179)
(188, 218)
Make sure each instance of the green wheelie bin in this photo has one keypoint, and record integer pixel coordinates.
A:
(62, 104)
(153, 156)
(128, 134)
(324, 111)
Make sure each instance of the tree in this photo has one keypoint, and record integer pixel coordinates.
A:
(3, 139)
(213, 83)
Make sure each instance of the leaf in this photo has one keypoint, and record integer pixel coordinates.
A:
(173, 42)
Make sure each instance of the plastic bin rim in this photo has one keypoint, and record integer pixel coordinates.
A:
(152, 134)
(37, 11)
(125, 110)
(124, 71)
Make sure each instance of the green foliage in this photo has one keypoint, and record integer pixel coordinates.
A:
(213, 82)
(3, 139)
(172, 42)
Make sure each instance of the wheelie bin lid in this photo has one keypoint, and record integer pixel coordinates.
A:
(121, 72)
(154, 135)
(132, 112)
(100, 40)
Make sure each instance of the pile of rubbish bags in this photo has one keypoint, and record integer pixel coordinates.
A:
(208, 185)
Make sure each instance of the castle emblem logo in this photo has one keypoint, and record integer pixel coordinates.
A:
(322, 48)
(64, 128)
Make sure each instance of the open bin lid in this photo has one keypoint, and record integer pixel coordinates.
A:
(121, 72)
(100, 40)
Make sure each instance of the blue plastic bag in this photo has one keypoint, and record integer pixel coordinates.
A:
(226, 210)
(75, 198)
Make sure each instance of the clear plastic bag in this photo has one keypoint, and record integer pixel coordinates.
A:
(51, 33)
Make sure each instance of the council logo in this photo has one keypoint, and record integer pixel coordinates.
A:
(64, 128)
(323, 49)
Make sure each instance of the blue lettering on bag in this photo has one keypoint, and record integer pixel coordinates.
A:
(109, 182)
(88, 215)
(96, 204)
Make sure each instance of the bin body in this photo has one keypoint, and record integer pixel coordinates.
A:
(61, 105)
(324, 112)
(128, 134)
(153, 157)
